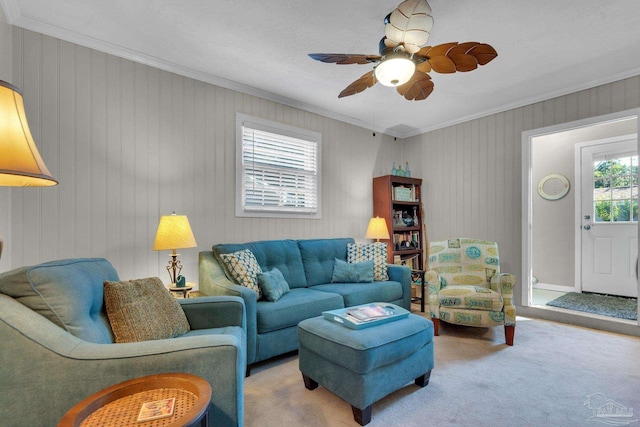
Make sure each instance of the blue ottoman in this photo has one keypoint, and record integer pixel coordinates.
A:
(363, 366)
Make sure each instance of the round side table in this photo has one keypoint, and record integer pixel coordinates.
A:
(120, 404)
(184, 289)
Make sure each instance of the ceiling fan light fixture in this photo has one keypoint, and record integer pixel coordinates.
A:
(395, 70)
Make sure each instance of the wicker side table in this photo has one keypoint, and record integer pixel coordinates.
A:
(119, 405)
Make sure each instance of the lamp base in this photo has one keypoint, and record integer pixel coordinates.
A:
(174, 268)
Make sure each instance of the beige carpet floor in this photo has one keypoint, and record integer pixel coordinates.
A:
(543, 380)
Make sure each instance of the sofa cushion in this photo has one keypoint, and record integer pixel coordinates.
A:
(294, 306)
(67, 292)
(318, 257)
(143, 310)
(272, 284)
(243, 269)
(357, 272)
(363, 293)
(358, 252)
(282, 254)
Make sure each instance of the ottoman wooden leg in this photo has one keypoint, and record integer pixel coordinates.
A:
(309, 383)
(423, 380)
(362, 416)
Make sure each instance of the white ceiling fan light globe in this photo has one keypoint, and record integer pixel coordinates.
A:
(395, 71)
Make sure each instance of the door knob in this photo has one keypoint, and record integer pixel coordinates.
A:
(587, 227)
(587, 217)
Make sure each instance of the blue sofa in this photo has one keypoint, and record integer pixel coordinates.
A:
(58, 348)
(307, 266)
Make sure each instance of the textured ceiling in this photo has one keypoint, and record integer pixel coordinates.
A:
(546, 48)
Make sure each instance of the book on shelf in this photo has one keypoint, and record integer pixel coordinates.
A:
(406, 240)
(412, 261)
(405, 193)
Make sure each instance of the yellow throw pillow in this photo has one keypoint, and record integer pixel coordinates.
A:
(143, 310)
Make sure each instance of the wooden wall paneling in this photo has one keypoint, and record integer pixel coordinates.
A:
(143, 185)
(502, 172)
(113, 164)
(108, 129)
(216, 180)
(197, 160)
(48, 143)
(97, 144)
(67, 160)
(28, 208)
(157, 260)
(82, 168)
(127, 189)
(631, 93)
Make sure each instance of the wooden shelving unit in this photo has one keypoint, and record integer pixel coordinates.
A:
(398, 200)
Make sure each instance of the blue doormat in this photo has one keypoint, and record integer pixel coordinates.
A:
(604, 305)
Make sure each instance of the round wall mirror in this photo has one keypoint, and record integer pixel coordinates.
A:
(553, 186)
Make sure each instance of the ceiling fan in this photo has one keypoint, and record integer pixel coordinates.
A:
(403, 62)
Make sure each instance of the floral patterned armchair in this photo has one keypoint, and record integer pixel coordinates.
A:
(466, 286)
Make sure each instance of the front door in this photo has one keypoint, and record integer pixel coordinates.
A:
(609, 217)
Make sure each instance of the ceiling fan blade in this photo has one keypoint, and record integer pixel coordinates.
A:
(452, 57)
(438, 50)
(483, 52)
(345, 58)
(365, 81)
(442, 64)
(409, 25)
(424, 67)
(464, 62)
(462, 48)
(417, 88)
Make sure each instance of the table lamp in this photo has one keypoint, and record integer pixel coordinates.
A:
(20, 161)
(174, 232)
(377, 229)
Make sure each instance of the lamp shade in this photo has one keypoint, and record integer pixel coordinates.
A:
(174, 232)
(377, 229)
(20, 161)
(395, 70)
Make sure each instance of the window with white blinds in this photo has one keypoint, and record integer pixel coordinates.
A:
(278, 170)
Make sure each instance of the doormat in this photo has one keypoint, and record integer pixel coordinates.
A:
(604, 305)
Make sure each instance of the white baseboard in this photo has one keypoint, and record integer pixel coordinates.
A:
(558, 288)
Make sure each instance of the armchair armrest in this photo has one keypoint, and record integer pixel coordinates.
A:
(212, 281)
(54, 370)
(214, 312)
(434, 283)
(504, 283)
(401, 274)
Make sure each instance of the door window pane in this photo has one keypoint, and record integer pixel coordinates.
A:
(615, 190)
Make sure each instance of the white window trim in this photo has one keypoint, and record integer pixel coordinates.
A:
(281, 129)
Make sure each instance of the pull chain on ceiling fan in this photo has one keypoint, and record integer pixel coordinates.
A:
(403, 62)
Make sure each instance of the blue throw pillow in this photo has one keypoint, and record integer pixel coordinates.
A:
(357, 272)
(273, 284)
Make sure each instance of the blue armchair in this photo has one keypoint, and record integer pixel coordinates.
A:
(57, 346)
